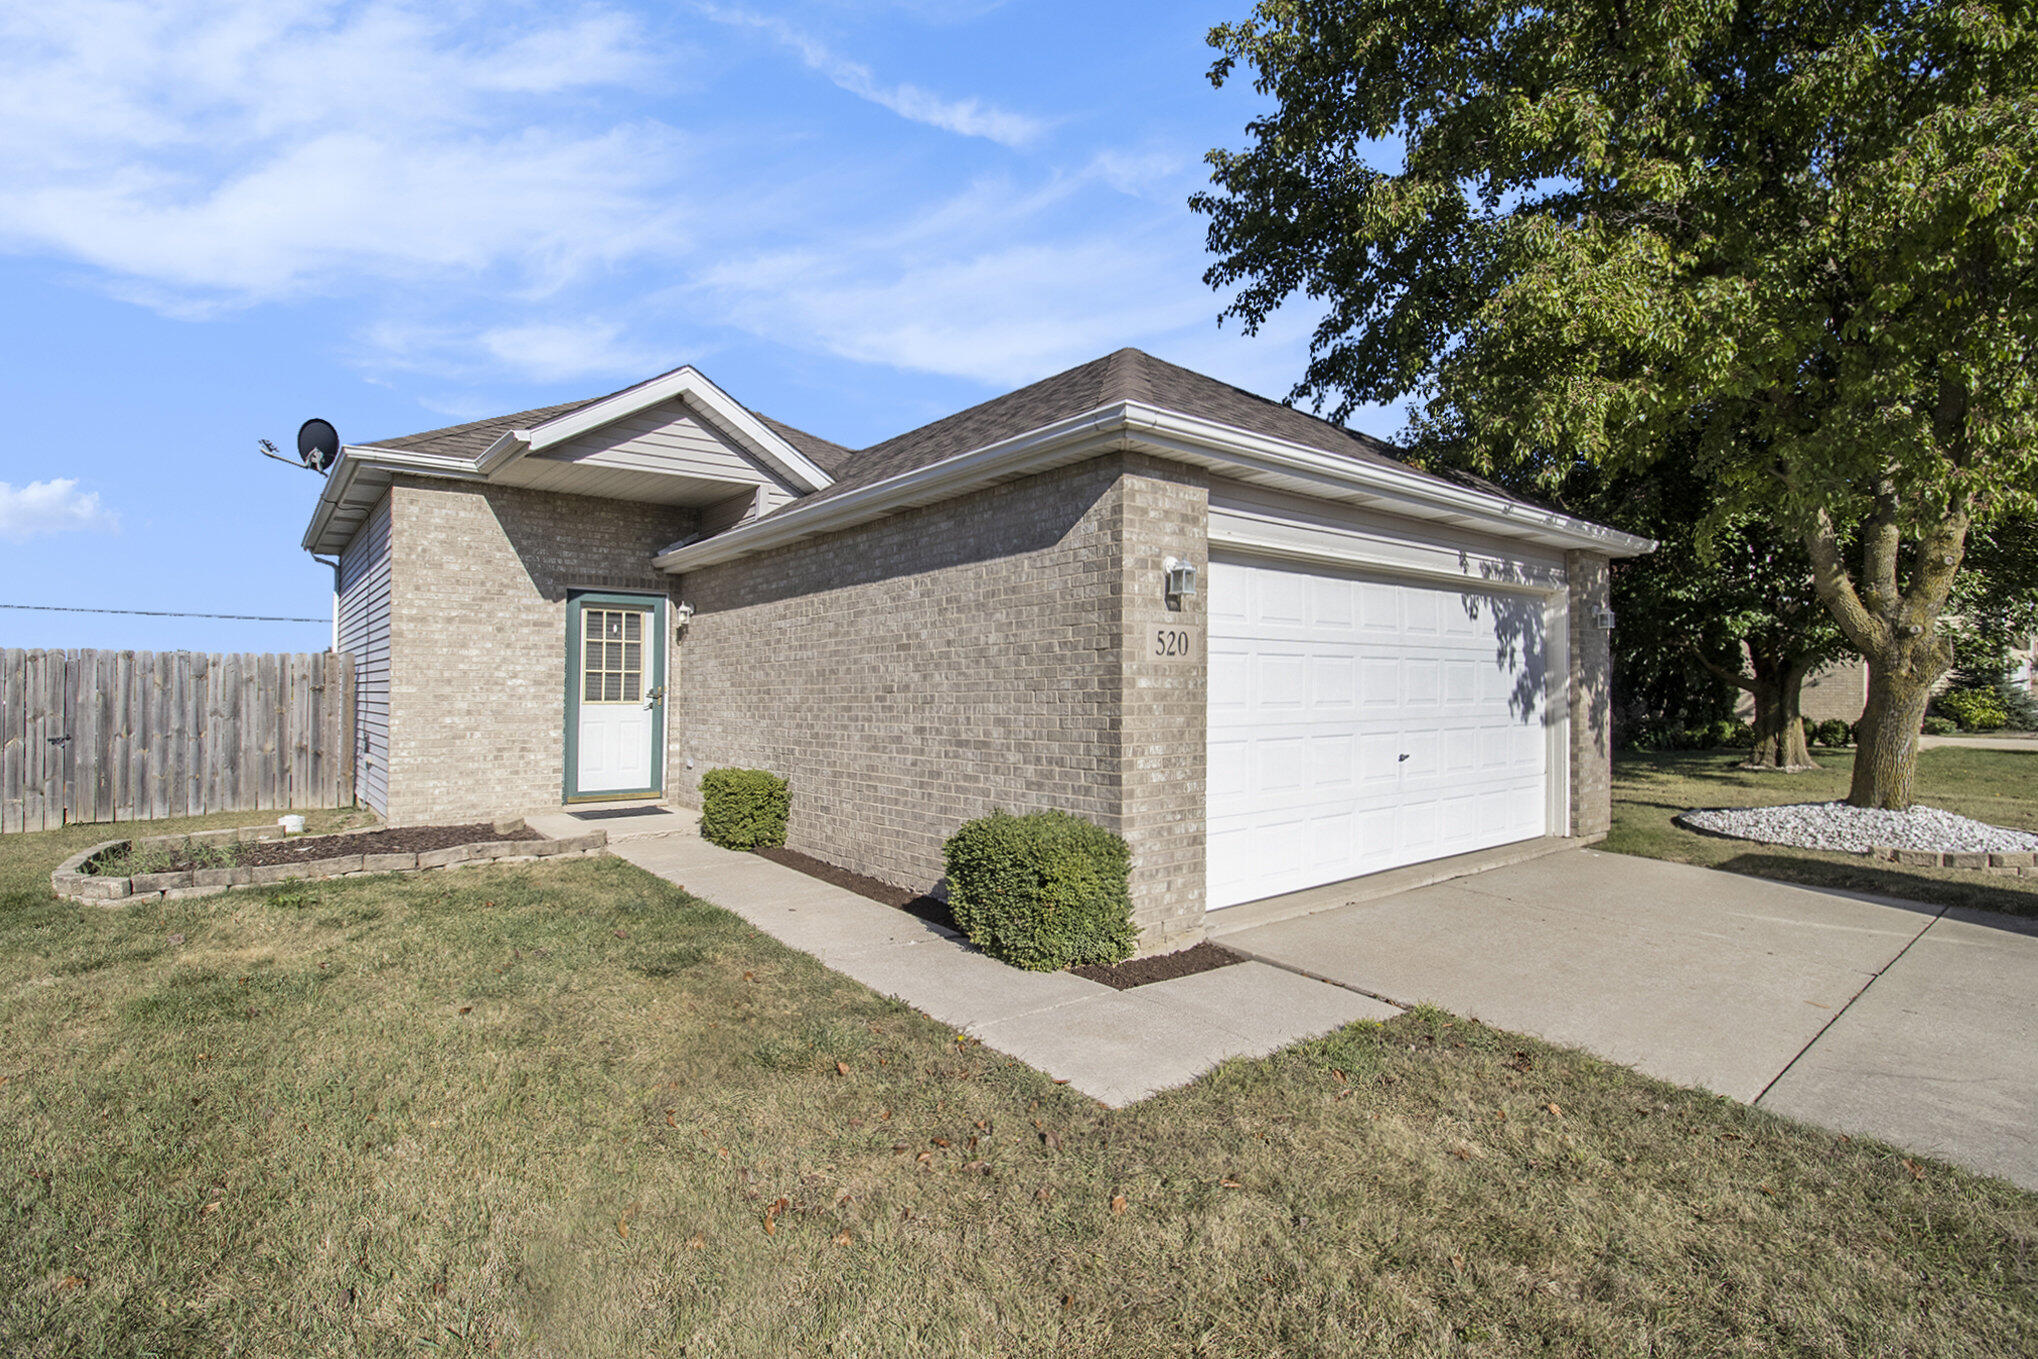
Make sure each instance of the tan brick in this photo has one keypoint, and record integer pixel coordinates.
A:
(440, 858)
(387, 863)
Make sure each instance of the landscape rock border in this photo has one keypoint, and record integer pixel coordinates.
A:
(72, 883)
(2023, 864)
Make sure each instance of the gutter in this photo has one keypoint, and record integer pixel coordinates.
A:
(1135, 425)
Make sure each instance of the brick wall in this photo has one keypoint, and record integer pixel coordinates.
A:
(479, 577)
(1165, 512)
(1591, 694)
(911, 674)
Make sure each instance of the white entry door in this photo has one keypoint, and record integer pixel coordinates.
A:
(1360, 724)
(618, 700)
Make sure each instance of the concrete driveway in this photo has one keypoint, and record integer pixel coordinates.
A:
(1866, 1016)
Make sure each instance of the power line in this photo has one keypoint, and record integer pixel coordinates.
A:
(166, 613)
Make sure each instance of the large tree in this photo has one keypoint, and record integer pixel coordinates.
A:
(1571, 231)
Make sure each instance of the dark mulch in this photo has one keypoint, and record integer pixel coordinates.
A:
(395, 840)
(933, 910)
(1161, 967)
(1121, 977)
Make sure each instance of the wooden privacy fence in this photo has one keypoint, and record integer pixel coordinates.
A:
(133, 735)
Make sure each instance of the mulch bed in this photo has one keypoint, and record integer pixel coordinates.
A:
(396, 840)
(1120, 977)
(1161, 967)
(933, 910)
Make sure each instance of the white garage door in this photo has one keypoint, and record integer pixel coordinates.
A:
(1360, 724)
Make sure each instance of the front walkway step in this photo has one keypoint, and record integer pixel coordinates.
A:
(635, 821)
(1115, 1046)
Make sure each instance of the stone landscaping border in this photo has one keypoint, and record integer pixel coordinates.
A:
(73, 884)
(2023, 863)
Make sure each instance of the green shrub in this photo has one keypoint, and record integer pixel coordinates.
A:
(1042, 891)
(1974, 709)
(1938, 726)
(1727, 732)
(1835, 733)
(2020, 705)
(744, 808)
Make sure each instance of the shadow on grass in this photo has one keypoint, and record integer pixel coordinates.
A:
(1896, 887)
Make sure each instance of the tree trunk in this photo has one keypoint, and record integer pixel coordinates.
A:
(1886, 742)
(1779, 719)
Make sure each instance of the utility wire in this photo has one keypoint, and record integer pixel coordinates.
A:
(166, 613)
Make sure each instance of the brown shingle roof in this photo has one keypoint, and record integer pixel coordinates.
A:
(1127, 375)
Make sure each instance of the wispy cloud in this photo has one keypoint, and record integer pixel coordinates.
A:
(55, 506)
(207, 154)
(968, 117)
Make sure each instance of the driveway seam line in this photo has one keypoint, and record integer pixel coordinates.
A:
(1873, 978)
(1318, 977)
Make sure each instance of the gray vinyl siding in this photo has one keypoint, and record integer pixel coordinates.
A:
(671, 439)
(364, 631)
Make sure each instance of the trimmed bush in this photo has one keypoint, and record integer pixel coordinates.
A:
(1043, 891)
(744, 808)
(1835, 733)
(1938, 726)
(1974, 709)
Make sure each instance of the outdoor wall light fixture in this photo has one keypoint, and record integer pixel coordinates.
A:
(1603, 616)
(681, 616)
(1181, 579)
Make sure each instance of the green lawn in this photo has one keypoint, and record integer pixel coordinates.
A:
(1997, 786)
(566, 1109)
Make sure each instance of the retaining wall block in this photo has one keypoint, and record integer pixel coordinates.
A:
(157, 882)
(387, 863)
(439, 858)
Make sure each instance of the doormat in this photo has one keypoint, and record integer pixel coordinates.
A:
(614, 812)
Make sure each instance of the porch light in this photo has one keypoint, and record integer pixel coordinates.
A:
(1603, 616)
(681, 616)
(1181, 579)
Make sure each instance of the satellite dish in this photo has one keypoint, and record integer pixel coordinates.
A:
(318, 443)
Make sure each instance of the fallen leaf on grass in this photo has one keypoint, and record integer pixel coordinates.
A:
(978, 1167)
(1229, 1184)
(938, 1141)
(1917, 1171)
(697, 1243)
(670, 1121)
(1554, 1110)
(842, 1068)
(73, 1281)
(623, 1227)
(1118, 1205)
(1462, 1153)
(1043, 1195)
(466, 1009)
(901, 1148)
(620, 935)
(1050, 1139)
(842, 1238)
(212, 1207)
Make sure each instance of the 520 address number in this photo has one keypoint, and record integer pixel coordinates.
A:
(1170, 642)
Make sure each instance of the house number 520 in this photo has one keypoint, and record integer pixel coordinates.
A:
(1170, 642)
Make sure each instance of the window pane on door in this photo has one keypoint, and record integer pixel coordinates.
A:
(612, 655)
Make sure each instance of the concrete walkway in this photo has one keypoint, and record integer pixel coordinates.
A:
(1115, 1046)
(2026, 742)
(1872, 1017)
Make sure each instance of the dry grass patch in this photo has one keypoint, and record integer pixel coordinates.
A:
(566, 1109)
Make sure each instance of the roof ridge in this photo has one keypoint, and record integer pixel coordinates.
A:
(1125, 377)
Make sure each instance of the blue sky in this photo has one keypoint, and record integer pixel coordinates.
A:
(856, 216)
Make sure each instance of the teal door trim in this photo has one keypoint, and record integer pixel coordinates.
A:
(655, 645)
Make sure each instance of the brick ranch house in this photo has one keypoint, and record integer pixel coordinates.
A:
(1250, 641)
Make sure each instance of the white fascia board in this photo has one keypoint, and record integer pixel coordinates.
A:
(702, 395)
(356, 458)
(1136, 425)
(1429, 496)
(1065, 441)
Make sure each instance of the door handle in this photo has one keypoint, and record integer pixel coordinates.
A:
(655, 697)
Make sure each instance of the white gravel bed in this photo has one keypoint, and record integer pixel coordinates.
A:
(1835, 825)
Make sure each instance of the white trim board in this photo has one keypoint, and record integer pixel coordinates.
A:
(341, 508)
(1135, 426)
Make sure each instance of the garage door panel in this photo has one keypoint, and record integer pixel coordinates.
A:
(1359, 724)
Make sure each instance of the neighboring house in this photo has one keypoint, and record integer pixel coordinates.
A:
(1255, 644)
(1841, 689)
